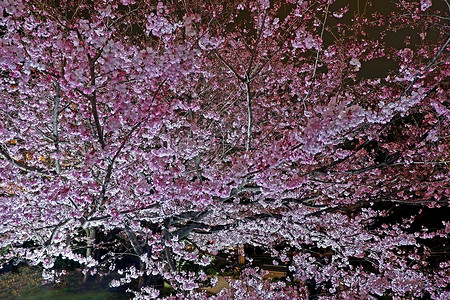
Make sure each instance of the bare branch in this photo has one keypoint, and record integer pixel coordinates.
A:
(250, 65)
(414, 80)
(242, 79)
(317, 58)
(444, 162)
(427, 67)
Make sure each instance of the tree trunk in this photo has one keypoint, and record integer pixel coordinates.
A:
(91, 235)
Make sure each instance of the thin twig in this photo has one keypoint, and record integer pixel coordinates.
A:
(250, 65)
(427, 67)
(445, 162)
(413, 81)
(316, 63)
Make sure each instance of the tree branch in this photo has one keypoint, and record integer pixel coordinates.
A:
(22, 166)
(166, 248)
(242, 79)
(414, 80)
(56, 229)
(93, 99)
(250, 65)
(317, 58)
(427, 67)
(133, 240)
(125, 140)
(55, 125)
(249, 113)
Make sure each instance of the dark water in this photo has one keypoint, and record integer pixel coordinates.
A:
(25, 282)
(46, 292)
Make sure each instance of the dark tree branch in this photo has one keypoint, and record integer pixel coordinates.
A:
(113, 159)
(167, 251)
(242, 79)
(22, 166)
(93, 99)
(133, 240)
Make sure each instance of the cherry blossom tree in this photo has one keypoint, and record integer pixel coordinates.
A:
(170, 131)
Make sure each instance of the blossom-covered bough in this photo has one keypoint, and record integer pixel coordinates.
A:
(170, 131)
